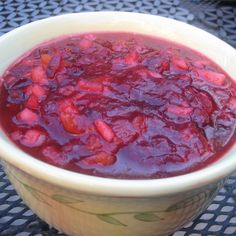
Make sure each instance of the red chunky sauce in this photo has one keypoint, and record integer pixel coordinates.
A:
(119, 105)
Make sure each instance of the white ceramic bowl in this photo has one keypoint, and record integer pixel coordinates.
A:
(92, 206)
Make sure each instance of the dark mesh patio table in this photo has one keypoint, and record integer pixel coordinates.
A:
(217, 17)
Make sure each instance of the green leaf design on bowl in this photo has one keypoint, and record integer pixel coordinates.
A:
(147, 217)
(197, 198)
(36, 194)
(181, 204)
(65, 199)
(109, 219)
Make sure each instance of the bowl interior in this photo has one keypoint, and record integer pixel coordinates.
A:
(19, 41)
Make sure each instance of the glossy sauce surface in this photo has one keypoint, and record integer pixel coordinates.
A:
(119, 105)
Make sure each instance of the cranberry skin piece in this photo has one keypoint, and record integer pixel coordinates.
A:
(90, 86)
(9, 82)
(16, 96)
(67, 90)
(53, 66)
(125, 131)
(52, 155)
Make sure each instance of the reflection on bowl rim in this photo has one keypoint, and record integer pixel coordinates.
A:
(118, 187)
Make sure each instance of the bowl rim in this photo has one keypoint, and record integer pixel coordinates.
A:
(108, 186)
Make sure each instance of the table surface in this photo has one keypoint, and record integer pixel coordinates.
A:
(217, 17)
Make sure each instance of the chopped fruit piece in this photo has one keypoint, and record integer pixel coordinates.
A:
(145, 72)
(139, 123)
(78, 96)
(32, 102)
(37, 90)
(213, 77)
(93, 142)
(90, 86)
(27, 116)
(69, 117)
(105, 130)
(131, 58)
(85, 44)
(154, 74)
(33, 138)
(67, 106)
(39, 76)
(70, 123)
(179, 110)
(180, 63)
(100, 158)
(45, 58)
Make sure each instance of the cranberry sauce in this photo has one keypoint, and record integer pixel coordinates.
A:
(119, 105)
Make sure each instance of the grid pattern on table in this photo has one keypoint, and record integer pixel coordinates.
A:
(215, 16)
